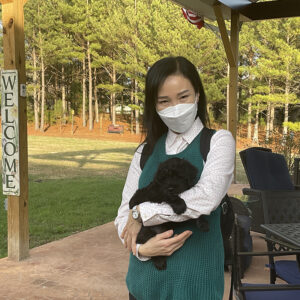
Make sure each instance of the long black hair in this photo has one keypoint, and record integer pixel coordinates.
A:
(153, 126)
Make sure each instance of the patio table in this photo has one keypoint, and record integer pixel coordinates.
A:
(287, 234)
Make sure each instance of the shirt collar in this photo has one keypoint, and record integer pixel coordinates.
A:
(188, 136)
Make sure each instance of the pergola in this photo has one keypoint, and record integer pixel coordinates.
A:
(236, 11)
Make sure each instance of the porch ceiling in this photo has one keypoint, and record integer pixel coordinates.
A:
(250, 10)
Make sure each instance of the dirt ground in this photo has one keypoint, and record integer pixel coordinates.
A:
(102, 134)
(83, 132)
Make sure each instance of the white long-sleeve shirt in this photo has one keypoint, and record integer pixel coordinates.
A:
(202, 198)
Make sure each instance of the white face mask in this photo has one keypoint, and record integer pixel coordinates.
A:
(179, 118)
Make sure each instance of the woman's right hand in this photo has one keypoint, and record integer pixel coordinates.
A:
(163, 244)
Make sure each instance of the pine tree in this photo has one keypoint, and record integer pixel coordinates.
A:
(289, 52)
(248, 64)
(274, 67)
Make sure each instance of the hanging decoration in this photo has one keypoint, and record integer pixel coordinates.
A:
(193, 18)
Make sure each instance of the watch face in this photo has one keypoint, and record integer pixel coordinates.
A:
(135, 214)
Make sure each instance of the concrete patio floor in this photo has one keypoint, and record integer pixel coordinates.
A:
(90, 265)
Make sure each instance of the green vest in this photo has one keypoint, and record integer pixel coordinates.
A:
(196, 270)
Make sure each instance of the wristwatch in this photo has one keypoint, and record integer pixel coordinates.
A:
(136, 214)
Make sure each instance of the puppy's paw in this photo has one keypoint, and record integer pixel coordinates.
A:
(133, 202)
(179, 206)
(136, 199)
(202, 224)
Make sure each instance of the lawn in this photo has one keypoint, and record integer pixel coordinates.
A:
(74, 185)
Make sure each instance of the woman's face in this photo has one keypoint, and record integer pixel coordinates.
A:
(175, 90)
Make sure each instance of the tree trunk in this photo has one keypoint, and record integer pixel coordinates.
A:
(269, 114)
(113, 98)
(249, 133)
(35, 98)
(39, 101)
(249, 119)
(101, 122)
(110, 107)
(43, 78)
(96, 97)
(268, 121)
(137, 112)
(131, 113)
(56, 86)
(91, 121)
(136, 100)
(272, 116)
(63, 95)
(286, 117)
(43, 93)
(83, 91)
(255, 135)
(286, 105)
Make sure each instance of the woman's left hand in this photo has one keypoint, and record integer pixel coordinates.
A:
(130, 233)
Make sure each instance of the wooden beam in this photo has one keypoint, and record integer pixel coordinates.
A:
(6, 1)
(233, 76)
(14, 59)
(224, 35)
(272, 10)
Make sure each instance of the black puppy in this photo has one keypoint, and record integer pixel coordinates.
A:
(173, 177)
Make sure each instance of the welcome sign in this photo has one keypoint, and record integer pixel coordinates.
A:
(10, 133)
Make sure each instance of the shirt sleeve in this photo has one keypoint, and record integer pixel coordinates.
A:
(130, 187)
(206, 195)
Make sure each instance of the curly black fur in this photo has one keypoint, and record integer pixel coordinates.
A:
(173, 177)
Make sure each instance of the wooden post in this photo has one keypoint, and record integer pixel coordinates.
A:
(233, 78)
(14, 59)
(226, 42)
(233, 75)
(232, 52)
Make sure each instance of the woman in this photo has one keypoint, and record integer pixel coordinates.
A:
(175, 113)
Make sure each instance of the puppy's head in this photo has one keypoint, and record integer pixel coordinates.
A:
(176, 175)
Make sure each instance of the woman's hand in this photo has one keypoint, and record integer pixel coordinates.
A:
(164, 244)
(130, 233)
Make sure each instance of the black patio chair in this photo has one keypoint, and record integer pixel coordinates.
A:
(277, 211)
(268, 176)
(258, 291)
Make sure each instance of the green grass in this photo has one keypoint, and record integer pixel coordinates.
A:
(51, 158)
(60, 207)
(74, 184)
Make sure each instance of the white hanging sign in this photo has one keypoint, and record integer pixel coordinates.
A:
(10, 132)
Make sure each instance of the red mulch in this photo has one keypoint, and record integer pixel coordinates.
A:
(127, 136)
(84, 132)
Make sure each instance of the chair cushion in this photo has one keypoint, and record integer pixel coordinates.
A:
(271, 295)
(288, 270)
(268, 171)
